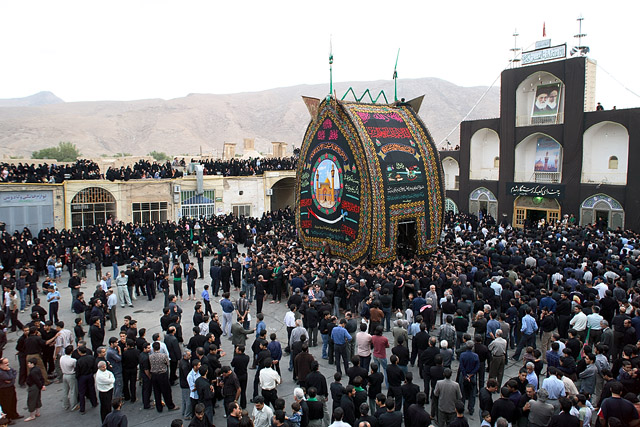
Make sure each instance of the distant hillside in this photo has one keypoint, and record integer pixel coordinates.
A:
(183, 125)
(40, 98)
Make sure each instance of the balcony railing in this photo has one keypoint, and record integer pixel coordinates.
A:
(529, 120)
(546, 177)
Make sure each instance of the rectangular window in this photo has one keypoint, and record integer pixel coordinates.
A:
(148, 212)
(194, 206)
(242, 210)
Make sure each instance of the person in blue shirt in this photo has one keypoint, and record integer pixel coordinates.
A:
(528, 338)
(227, 314)
(340, 338)
(275, 349)
(469, 366)
(53, 298)
(547, 302)
(261, 325)
(492, 326)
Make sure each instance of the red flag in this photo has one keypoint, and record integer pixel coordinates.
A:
(544, 30)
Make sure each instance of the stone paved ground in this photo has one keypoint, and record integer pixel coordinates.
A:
(148, 313)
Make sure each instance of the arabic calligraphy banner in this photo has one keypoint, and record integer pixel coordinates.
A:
(532, 189)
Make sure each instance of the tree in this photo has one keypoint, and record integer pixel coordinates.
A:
(160, 156)
(64, 152)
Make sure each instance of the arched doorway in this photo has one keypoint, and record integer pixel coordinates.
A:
(283, 194)
(602, 210)
(93, 205)
(483, 201)
(528, 211)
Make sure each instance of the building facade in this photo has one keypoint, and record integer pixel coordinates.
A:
(76, 204)
(549, 154)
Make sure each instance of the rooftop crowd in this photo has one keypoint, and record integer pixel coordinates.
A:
(143, 169)
(45, 173)
(414, 342)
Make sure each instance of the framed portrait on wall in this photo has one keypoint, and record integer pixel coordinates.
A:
(547, 100)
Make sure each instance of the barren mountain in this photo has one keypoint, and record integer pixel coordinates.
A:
(184, 125)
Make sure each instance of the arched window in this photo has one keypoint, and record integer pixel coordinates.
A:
(93, 205)
(540, 100)
(601, 142)
(450, 206)
(485, 147)
(451, 173)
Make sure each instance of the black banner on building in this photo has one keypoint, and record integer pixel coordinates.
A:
(533, 189)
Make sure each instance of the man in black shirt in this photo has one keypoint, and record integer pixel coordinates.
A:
(504, 407)
(459, 420)
(564, 418)
(85, 368)
(485, 397)
(346, 403)
(375, 384)
(426, 361)
(391, 418)
(239, 363)
(416, 415)
(318, 381)
(357, 371)
(395, 376)
(409, 393)
(130, 359)
(316, 407)
(365, 417)
(145, 374)
(402, 352)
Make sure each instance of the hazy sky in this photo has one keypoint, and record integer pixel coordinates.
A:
(124, 50)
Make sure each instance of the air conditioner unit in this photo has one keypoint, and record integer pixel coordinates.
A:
(269, 191)
(176, 188)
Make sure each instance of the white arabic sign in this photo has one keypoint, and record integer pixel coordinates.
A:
(548, 54)
(26, 198)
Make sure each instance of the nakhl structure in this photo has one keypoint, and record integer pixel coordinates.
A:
(369, 181)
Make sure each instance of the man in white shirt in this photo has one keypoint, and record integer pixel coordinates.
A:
(193, 375)
(602, 289)
(163, 347)
(69, 381)
(593, 323)
(269, 380)
(579, 322)
(123, 290)
(103, 284)
(64, 338)
(261, 413)
(112, 304)
(363, 346)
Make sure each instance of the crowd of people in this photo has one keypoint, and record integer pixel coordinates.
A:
(44, 173)
(413, 342)
(143, 169)
(247, 167)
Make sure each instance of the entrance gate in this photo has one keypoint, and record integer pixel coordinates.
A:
(528, 211)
